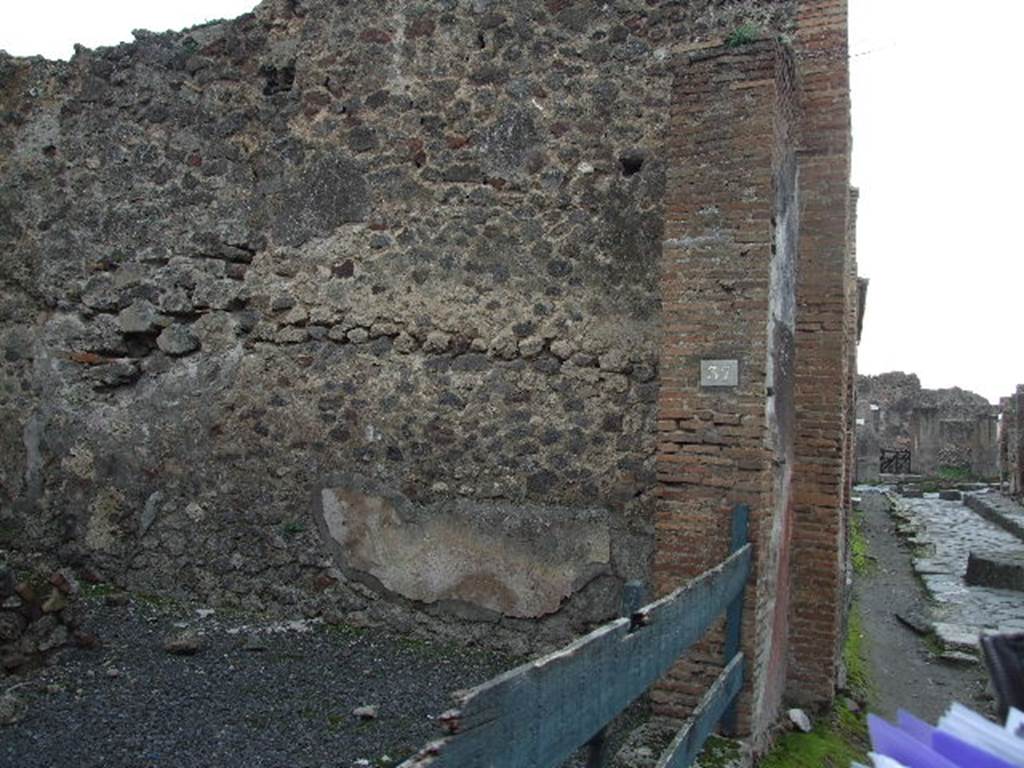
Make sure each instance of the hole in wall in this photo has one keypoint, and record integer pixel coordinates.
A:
(277, 79)
(631, 163)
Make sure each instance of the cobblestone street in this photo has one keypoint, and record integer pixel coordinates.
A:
(943, 533)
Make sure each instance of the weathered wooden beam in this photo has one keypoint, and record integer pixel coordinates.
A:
(690, 740)
(538, 714)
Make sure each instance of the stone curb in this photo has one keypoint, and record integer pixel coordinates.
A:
(998, 509)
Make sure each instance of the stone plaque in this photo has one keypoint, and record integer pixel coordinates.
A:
(719, 373)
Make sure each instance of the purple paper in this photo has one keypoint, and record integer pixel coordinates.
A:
(960, 752)
(965, 754)
(919, 729)
(890, 741)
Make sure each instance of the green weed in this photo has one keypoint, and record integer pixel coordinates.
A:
(719, 753)
(841, 736)
(858, 678)
(344, 631)
(956, 474)
(835, 742)
(743, 35)
(862, 561)
(97, 591)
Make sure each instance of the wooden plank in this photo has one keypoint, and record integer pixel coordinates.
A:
(690, 740)
(734, 614)
(599, 748)
(538, 714)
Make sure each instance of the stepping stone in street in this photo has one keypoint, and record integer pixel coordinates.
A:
(958, 658)
(915, 621)
(997, 569)
(957, 637)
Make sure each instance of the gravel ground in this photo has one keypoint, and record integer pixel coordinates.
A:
(256, 694)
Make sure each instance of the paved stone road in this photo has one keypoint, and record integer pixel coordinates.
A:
(945, 532)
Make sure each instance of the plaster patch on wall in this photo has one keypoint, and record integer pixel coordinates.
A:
(521, 561)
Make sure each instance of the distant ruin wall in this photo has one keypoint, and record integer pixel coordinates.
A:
(1011, 442)
(411, 245)
(945, 429)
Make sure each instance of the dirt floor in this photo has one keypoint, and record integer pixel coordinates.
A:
(253, 693)
(250, 694)
(903, 663)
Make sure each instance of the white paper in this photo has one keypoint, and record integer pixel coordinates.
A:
(1015, 722)
(881, 761)
(969, 726)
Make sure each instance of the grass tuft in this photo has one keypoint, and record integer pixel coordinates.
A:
(744, 35)
(719, 753)
(832, 744)
(862, 561)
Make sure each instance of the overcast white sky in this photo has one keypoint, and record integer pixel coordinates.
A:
(937, 131)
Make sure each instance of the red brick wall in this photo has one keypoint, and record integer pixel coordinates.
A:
(822, 351)
(758, 266)
(852, 324)
(719, 447)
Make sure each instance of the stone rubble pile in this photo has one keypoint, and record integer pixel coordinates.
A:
(37, 618)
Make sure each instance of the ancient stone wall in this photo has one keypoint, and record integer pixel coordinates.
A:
(38, 618)
(294, 302)
(1011, 442)
(416, 314)
(968, 445)
(945, 429)
(885, 404)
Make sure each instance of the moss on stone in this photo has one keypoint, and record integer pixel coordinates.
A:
(835, 742)
(841, 736)
(859, 554)
(719, 753)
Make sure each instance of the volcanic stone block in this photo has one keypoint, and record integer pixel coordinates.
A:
(1002, 570)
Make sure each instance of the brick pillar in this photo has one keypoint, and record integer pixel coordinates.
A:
(851, 338)
(728, 294)
(822, 362)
